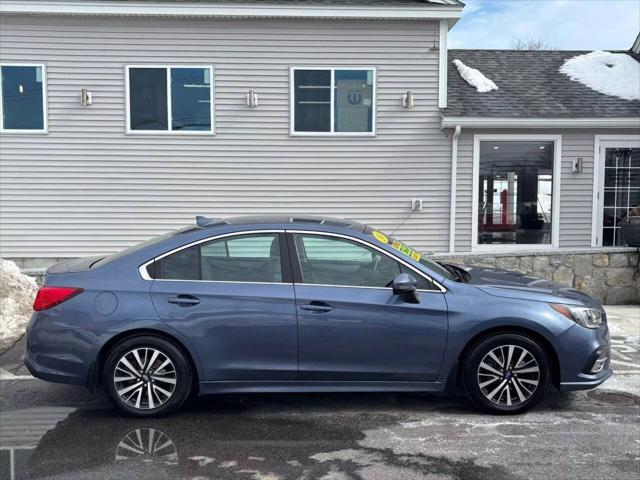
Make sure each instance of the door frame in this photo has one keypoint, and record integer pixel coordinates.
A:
(601, 143)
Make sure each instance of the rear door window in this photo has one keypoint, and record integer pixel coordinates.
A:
(246, 258)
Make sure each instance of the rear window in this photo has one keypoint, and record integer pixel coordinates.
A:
(140, 246)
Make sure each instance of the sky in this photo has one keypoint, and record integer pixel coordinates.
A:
(561, 24)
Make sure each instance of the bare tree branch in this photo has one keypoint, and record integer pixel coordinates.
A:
(530, 45)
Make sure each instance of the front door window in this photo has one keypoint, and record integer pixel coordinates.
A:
(621, 191)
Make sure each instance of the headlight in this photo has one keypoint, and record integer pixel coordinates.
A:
(587, 317)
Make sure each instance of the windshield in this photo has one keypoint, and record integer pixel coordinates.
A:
(140, 246)
(435, 267)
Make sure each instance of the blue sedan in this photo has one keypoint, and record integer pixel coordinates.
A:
(309, 304)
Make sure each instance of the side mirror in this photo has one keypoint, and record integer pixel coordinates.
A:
(406, 287)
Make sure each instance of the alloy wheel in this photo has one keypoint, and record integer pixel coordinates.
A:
(144, 378)
(508, 375)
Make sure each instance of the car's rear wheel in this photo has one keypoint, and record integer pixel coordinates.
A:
(506, 373)
(147, 376)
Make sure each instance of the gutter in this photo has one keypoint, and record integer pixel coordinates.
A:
(505, 122)
(227, 10)
(454, 188)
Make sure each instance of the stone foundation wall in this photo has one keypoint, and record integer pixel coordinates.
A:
(610, 275)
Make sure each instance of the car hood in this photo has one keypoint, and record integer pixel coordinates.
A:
(508, 284)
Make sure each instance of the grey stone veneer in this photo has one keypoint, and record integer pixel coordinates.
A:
(611, 275)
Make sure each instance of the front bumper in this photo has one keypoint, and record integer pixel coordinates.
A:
(585, 358)
(586, 384)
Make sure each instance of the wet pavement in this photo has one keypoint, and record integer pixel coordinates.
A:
(57, 431)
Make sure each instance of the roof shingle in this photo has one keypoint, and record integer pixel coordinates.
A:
(529, 86)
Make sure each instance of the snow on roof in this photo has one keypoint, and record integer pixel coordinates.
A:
(614, 74)
(475, 78)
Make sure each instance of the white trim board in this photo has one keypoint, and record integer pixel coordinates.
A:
(629, 141)
(443, 63)
(490, 122)
(248, 10)
(555, 201)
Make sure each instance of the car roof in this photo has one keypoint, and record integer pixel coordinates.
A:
(205, 222)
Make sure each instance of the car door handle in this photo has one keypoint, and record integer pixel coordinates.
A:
(184, 300)
(316, 307)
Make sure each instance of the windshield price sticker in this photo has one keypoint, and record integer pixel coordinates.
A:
(399, 246)
(381, 237)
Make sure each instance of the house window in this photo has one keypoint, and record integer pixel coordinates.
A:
(23, 98)
(170, 99)
(515, 192)
(333, 101)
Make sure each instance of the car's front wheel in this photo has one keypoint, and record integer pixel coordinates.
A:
(147, 376)
(506, 373)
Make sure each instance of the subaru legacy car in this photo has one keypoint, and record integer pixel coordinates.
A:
(287, 304)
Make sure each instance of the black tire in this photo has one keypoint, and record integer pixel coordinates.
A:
(512, 386)
(182, 371)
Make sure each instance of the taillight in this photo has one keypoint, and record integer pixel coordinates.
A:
(49, 297)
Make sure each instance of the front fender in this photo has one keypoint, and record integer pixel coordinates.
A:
(473, 315)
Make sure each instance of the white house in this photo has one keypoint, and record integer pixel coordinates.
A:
(122, 120)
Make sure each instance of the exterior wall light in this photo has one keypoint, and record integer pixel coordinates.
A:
(252, 99)
(407, 99)
(86, 98)
(577, 165)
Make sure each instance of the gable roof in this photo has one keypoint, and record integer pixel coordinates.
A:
(530, 85)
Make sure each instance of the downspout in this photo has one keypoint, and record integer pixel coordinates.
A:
(454, 188)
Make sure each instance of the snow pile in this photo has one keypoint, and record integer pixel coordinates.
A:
(614, 74)
(475, 78)
(17, 292)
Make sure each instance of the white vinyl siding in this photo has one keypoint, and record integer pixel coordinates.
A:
(89, 188)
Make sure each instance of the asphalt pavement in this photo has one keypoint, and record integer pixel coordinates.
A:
(57, 431)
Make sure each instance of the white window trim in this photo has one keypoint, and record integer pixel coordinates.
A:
(555, 201)
(45, 113)
(168, 68)
(601, 142)
(292, 99)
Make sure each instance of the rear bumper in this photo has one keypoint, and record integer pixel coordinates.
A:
(52, 375)
(56, 353)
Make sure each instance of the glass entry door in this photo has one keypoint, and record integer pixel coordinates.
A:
(619, 190)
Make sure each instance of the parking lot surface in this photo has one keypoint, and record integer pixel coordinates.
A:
(58, 431)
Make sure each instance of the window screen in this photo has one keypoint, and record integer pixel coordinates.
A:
(22, 97)
(247, 258)
(148, 98)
